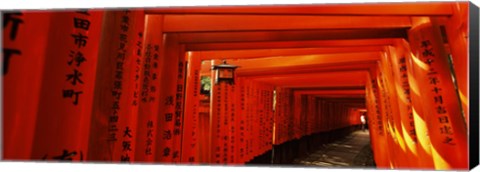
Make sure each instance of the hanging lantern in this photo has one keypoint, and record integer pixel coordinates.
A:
(224, 73)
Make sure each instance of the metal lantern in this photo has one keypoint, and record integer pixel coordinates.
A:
(224, 73)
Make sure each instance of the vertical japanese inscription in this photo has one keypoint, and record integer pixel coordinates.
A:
(406, 92)
(138, 62)
(81, 24)
(118, 77)
(441, 113)
(14, 21)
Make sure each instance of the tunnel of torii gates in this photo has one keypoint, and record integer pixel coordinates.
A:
(126, 85)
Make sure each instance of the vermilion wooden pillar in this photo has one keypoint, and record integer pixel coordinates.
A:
(447, 127)
(420, 123)
(191, 116)
(396, 123)
(456, 28)
(23, 68)
(372, 120)
(146, 131)
(66, 93)
(115, 102)
(240, 117)
(383, 137)
(386, 111)
(405, 115)
(172, 134)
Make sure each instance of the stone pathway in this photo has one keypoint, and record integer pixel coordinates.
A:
(353, 151)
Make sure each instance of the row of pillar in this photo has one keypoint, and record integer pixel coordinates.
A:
(414, 99)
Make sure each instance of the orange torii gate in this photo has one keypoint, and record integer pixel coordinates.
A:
(139, 76)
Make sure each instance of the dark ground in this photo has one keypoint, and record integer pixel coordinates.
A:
(353, 151)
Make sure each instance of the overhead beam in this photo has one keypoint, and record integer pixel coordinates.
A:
(337, 67)
(289, 44)
(310, 80)
(330, 88)
(285, 61)
(392, 9)
(231, 23)
(339, 96)
(291, 35)
(259, 53)
(332, 92)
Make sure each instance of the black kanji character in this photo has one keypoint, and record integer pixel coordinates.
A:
(150, 133)
(127, 146)
(426, 43)
(121, 56)
(75, 77)
(436, 90)
(119, 74)
(175, 154)
(116, 105)
(443, 119)
(448, 140)
(81, 23)
(428, 52)
(179, 88)
(70, 93)
(169, 101)
(438, 99)
(178, 106)
(77, 57)
(403, 68)
(406, 91)
(124, 27)
(119, 65)
(167, 135)
(176, 131)
(123, 37)
(148, 151)
(178, 122)
(16, 21)
(113, 119)
(139, 52)
(113, 128)
(429, 61)
(127, 132)
(8, 53)
(66, 155)
(166, 151)
(112, 137)
(154, 76)
(116, 95)
(441, 110)
(117, 85)
(434, 80)
(125, 158)
(150, 124)
(412, 132)
(446, 130)
(179, 97)
(168, 117)
(80, 40)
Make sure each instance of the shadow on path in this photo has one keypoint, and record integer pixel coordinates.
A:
(353, 151)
